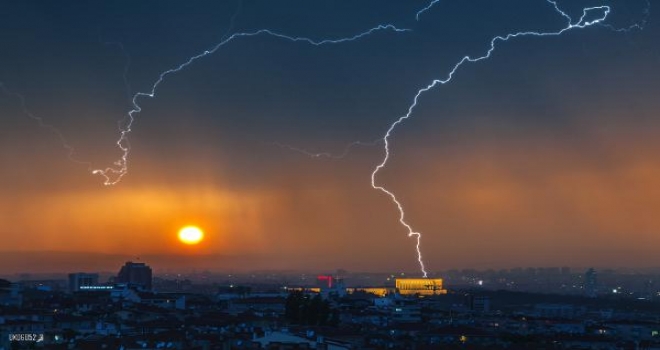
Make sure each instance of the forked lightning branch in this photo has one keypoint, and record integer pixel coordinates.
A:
(589, 17)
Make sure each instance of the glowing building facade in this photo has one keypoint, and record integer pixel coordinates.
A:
(420, 286)
(403, 286)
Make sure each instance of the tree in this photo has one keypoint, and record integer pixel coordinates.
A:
(304, 310)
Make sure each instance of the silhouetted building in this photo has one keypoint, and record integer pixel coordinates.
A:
(590, 283)
(328, 284)
(10, 294)
(477, 303)
(135, 273)
(81, 279)
(324, 281)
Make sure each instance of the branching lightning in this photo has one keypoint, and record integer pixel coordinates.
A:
(127, 66)
(428, 7)
(635, 26)
(40, 121)
(329, 155)
(127, 84)
(581, 23)
(70, 150)
(112, 175)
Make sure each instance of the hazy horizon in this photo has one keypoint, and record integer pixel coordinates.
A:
(50, 262)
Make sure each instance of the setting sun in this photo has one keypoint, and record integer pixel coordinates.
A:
(191, 235)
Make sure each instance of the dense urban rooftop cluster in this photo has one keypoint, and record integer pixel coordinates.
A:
(142, 312)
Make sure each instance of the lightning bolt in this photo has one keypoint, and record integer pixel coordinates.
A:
(53, 129)
(40, 121)
(329, 155)
(581, 23)
(112, 175)
(428, 7)
(635, 26)
(127, 66)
